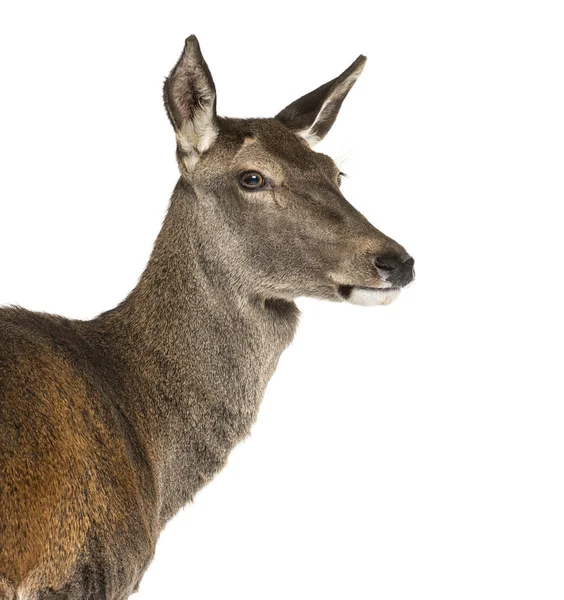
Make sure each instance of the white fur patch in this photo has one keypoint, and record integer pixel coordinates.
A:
(372, 297)
(310, 138)
(198, 133)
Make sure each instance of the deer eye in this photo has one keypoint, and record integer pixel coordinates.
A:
(251, 180)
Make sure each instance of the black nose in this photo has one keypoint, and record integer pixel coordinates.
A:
(394, 270)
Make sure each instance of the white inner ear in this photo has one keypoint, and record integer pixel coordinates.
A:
(309, 137)
(198, 133)
(339, 92)
(309, 134)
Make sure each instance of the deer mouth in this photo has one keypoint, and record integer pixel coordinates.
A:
(368, 296)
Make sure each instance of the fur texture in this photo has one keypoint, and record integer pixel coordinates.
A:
(108, 427)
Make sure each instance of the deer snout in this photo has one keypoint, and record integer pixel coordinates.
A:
(395, 270)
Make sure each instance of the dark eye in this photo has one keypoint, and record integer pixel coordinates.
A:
(251, 180)
(340, 178)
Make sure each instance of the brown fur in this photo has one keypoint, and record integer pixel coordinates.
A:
(71, 471)
(109, 426)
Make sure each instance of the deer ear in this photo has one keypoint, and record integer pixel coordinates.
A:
(313, 115)
(189, 96)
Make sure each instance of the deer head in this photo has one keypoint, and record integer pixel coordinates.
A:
(275, 218)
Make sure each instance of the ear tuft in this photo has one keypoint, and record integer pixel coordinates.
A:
(313, 115)
(190, 101)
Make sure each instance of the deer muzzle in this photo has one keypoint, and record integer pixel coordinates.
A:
(393, 274)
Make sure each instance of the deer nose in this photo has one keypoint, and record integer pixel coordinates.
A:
(394, 270)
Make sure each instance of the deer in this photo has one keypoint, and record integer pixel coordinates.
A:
(109, 426)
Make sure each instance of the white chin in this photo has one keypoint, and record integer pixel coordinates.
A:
(372, 296)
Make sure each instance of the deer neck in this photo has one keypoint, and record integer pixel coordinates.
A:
(199, 351)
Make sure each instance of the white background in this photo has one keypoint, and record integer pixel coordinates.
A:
(405, 452)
